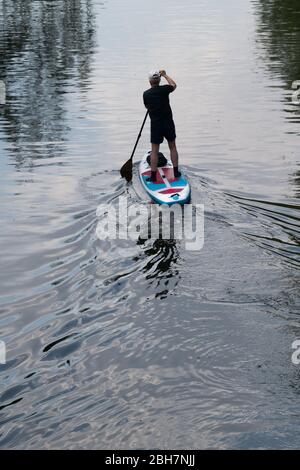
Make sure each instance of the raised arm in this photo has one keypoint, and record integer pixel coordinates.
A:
(169, 79)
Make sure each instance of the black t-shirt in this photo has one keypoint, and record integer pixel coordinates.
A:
(156, 100)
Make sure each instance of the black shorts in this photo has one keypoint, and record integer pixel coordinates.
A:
(162, 129)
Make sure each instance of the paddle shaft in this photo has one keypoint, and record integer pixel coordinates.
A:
(139, 136)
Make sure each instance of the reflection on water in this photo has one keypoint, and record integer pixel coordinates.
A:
(278, 34)
(125, 344)
(48, 46)
(160, 270)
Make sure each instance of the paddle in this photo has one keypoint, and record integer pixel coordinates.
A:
(126, 170)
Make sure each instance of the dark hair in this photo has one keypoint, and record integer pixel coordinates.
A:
(155, 80)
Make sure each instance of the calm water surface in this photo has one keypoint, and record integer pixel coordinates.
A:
(148, 345)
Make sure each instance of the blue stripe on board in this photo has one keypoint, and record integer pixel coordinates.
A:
(180, 182)
(153, 186)
(171, 203)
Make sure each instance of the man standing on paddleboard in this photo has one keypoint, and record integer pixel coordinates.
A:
(156, 100)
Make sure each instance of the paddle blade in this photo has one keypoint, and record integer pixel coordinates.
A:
(126, 170)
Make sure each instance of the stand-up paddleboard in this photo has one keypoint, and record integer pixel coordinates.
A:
(167, 189)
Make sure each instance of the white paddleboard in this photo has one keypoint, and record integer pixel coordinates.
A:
(167, 189)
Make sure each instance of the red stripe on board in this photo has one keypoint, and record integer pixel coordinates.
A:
(171, 191)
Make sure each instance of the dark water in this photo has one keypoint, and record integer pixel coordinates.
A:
(120, 344)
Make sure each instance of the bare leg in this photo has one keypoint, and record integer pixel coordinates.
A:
(154, 157)
(173, 153)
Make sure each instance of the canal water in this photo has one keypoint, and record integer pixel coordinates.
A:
(125, 344)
